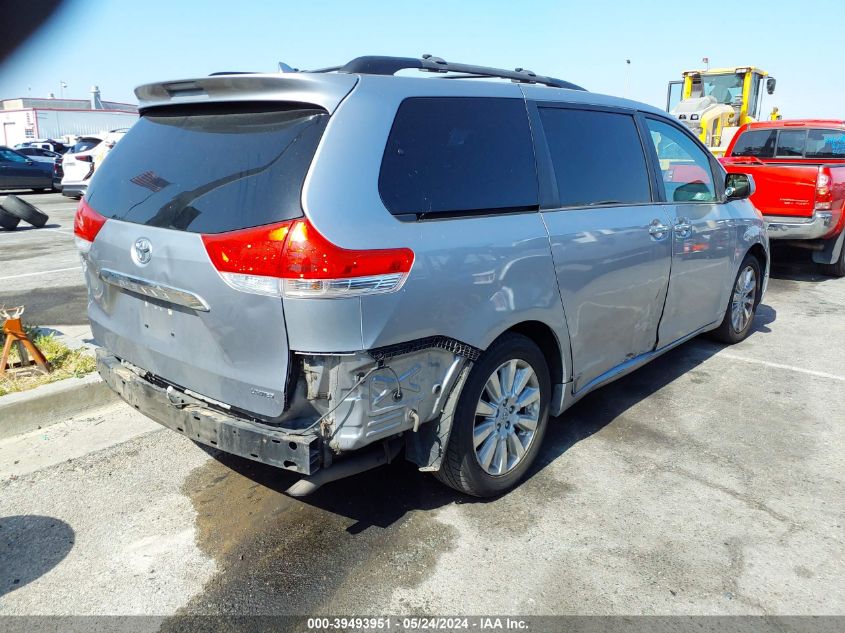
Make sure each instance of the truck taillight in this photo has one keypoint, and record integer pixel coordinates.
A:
(293, 259)
(824, 194)
(86, 224)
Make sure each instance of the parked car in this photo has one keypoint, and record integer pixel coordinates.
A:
(78, 166)
(799, 169)
(319, 270)
(37, 151)
(49, 144)
(18, 171)
(58, 172)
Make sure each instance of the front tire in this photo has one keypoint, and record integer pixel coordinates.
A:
(500, 419)
(742, 305)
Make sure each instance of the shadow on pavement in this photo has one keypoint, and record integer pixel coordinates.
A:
(30, 546)
(382, 496)
(24, 227)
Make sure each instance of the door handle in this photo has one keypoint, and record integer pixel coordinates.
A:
(683, 228)
(657, 229)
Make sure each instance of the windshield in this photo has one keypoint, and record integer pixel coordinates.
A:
(724, 88)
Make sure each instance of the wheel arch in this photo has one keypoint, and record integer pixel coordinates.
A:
(546, 339)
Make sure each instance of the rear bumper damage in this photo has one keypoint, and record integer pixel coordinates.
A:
(203, 424)
(380, 401)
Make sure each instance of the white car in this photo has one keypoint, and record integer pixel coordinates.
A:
(84, 158)
(78, 165)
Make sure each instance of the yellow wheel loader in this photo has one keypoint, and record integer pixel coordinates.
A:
(715, 103)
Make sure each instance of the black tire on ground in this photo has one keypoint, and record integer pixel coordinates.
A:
(727, 332)
(837, 268)
(8, 221)
(25, 211)
(461, 468)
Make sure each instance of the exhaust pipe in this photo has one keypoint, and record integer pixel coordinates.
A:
(346, 468)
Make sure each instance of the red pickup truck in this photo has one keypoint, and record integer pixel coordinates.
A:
(799, 172)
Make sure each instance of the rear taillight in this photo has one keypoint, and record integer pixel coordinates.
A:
(824, 194)
(85, 158)
(86, 224)
(294, 260)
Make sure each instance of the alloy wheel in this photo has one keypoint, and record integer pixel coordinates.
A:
(506, 417)
(744, 296)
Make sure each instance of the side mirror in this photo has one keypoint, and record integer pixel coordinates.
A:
(29, 161)
(739, 186)
(771, 82)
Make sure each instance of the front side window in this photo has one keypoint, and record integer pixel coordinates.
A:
(684, 166)
(724, 87)
(459, 155)
(825, 144)
(790, 143)
(757, 143)
(597, 157)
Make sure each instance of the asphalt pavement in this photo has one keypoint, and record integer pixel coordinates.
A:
(40, 268)
(709, 482)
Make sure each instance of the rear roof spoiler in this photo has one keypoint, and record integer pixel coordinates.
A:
(326, 91)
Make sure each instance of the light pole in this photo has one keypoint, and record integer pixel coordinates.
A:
(706, 61)
(627, 76)
(62, 86)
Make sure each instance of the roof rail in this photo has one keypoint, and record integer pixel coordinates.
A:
(379, 65)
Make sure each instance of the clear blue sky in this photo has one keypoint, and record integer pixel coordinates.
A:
(120, 44)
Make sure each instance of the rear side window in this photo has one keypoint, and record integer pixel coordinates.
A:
(458, 155)
(790, 143)
(597, 157)
(825, 144)
(758, 143)
(209, 169)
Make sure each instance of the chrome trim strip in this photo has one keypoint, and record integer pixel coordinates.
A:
(154, 290)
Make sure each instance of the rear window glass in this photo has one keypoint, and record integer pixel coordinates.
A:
(459, 155)
(597, 157)
(209, 169)
(758, 143)
(825, 144)
(84, 144)
(790, 143)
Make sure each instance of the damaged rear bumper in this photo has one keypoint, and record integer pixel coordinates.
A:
(192, 418)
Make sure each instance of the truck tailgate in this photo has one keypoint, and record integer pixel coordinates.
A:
(786, 190)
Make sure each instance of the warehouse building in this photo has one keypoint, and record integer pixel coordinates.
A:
(25, 119)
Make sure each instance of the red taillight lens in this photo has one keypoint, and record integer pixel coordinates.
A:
(85, 158)
(292, 258)
(824, 194)
(86, 224)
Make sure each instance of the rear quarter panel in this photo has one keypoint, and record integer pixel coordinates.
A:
(473, 277)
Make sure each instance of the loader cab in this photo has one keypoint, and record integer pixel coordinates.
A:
(713, 104)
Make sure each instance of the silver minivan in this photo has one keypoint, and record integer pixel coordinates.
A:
(324, 270)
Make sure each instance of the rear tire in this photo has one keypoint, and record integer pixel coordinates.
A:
(742, 304)
(25, 211)
(8, 221)
(496, 437)
(837, 268)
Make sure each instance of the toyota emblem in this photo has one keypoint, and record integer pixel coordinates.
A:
(142, 252)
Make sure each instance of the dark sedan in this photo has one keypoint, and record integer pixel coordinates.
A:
(25, 172)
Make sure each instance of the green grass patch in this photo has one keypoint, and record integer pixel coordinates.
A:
(66, 363)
